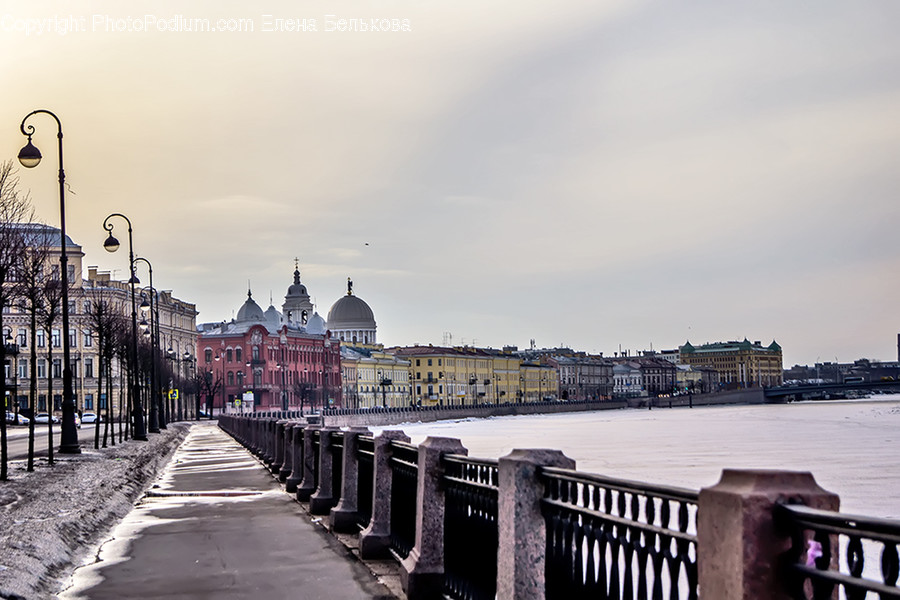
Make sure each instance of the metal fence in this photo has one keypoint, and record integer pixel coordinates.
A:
(610, 538)
(809, 571)
(365, 457)
(470, 527)
(405, 472)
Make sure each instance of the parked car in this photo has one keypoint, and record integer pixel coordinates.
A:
(14, 419)
(90, 417)
(44, 418)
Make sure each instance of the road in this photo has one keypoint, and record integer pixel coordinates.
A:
(17, 439)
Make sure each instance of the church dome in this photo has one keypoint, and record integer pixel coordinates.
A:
(351, 320)
(296, 288)
(273, 317)
(350, 311)
(250, 311)
(316, 324)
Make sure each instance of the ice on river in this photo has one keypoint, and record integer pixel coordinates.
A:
(851, 447)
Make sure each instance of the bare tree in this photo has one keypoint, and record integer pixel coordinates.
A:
(31, 282)
(50, 309)
(15, 210)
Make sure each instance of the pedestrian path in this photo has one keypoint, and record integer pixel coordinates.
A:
(217, 525)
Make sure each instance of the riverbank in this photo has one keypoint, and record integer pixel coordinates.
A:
(56, 515)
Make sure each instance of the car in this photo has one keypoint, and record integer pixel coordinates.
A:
(14, 419)
(45, 418)
(90, 417)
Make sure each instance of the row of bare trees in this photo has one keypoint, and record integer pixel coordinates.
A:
(30, 283)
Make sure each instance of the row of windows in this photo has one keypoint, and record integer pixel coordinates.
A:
(55, 368)
(22, 338)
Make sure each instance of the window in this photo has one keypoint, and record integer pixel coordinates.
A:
(439, 362)
(230, 377)
(429, 362)
(41, 339)
(257, 378)
(71, 307)
(89, 367)
(71, 272)
(87, 307)
(255, 352)
(240, 378)
(55, 339)
(89, 402)
(88, 338)
(228, 355)
(207, 354)
(102, 401)
(418, 363)
(42, 403)
(23, 338)
(73, 339)
(57, 401)
(57, 368)
(23, 369)
(54, 272)
(237, 354)
(41, 368)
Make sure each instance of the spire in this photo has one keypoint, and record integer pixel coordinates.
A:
(296, 270)
(349, 287)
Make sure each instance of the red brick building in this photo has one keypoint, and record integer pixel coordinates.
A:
(286, 364)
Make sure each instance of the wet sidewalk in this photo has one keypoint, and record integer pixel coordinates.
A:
(217, 525)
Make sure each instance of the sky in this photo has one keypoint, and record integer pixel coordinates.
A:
(602, 175)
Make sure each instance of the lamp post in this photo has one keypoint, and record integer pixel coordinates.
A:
(187, 359)
(30, 157)
(12, 350)
(111, 244)
(157, 420)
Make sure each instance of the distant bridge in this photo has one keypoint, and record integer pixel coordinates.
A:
(780, 393)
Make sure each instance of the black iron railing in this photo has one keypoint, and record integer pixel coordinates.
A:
(337, 465)
(611, 538)
(810, 572)
(365, 458)
(317, 435)
(404, 473)
(470, 527)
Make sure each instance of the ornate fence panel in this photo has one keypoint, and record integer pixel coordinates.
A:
(365, 457)
(405, 469)
(611, 538)
(470, 527)
(809, 574)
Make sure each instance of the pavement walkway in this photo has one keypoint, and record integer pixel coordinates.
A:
(218, 525)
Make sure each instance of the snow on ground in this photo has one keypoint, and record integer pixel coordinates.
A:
(54, 518)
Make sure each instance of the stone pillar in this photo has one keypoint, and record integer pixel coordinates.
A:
(343, 516)
(375, 540)
(296, 476)
(422, 572)
(308, 485)
(287, 465)
(738, 545)
(277, 447)
(522, 533)
(321, 502)
(268, 447)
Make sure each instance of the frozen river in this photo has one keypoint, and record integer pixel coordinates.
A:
(851, 447)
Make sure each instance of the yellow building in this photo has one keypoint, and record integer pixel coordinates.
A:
(739, 364)
(461, 375)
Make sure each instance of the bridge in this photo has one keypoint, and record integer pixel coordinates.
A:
(784, 392)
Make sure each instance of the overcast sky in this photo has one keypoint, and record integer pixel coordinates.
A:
(596, 174)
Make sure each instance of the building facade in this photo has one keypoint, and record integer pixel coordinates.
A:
(177, 331)
(739, 364)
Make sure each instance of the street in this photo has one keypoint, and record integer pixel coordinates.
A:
(17, 439)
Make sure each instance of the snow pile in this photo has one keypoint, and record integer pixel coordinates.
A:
(54, 517)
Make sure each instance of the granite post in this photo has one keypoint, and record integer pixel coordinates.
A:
(422, 572)
(375, 540)
(739, 547)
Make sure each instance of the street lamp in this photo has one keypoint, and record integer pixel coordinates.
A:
(111, 244)
(12, 349)
(30, 157)
(157, 420)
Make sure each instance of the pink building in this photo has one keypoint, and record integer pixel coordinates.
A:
(282, 364)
